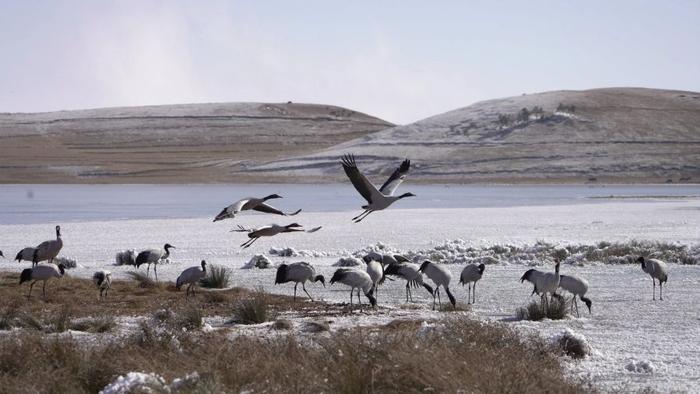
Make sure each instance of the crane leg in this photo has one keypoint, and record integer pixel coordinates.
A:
(661, 289)
(248, 243)
(407, 291)
(295, 292)
(366, 213)
(155, 271)
(303, 286)
(439, 301)
(30, 289)
(43, 289)
(359, 300)
(576, 303)
(653, 290)
(351, 295)
(474, 294)
(148, 269)
(363, 212)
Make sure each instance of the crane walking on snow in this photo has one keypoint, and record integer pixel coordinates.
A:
(48, 250)
(300, 272)
(191, 276)
(41, 273)
(441, 277)
(578, 287)
(471, 273)
(356, 279)
(153, 256)
(410, 272)
(657, 270)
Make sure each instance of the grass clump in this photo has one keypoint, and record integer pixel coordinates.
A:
(143, 280)
(190, 318)
(253, 310)
(573, 344)
(217, 277)
(556, 309)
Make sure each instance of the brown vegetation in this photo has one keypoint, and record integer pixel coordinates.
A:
(451, 355)
(461, 355)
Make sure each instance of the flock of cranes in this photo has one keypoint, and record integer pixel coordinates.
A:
(377, 266)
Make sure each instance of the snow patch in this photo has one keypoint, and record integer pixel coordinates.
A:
(640, 366)
(348, 262)
(144, 382)
(258, 261)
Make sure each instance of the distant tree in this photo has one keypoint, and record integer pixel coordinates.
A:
(523, 115)
(504, 120)
(566, 108)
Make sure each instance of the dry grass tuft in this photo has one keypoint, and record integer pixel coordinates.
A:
(574, 345)
(459, 307)
(282, 324)
(253, 310)
(316, 326)
(217, 277)
(143, 280)
(557, 309)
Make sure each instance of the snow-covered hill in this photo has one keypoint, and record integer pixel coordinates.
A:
(601, 135)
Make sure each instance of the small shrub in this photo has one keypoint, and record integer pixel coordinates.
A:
(254, 310)
(190, 318)
(282, 324)
(127, 257)
(556, 310)
(573, 344)
(215, 297)
(316, 326)
(142, 279)
(61, 321)
(217, 277)
(9, 315)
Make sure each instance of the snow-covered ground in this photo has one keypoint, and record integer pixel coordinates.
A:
(636, 342)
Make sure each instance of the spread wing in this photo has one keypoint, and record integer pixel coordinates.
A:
(262, 207)
(363, 186)
(396, 178)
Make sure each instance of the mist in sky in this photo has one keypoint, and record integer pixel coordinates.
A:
(399, 60)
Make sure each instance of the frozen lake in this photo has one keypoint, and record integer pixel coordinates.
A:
(75, 203)
(625, 327)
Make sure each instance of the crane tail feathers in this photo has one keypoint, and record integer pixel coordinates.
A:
(25, 276)
(281, 276)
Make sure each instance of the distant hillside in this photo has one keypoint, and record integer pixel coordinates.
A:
(170, 143)
(602, 135)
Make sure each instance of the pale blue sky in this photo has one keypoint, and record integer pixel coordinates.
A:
(399, 60)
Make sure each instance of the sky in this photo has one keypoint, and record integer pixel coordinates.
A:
(398, 60)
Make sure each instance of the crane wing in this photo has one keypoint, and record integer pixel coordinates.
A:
(262, 207)
(363, 186)
(396, 178)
